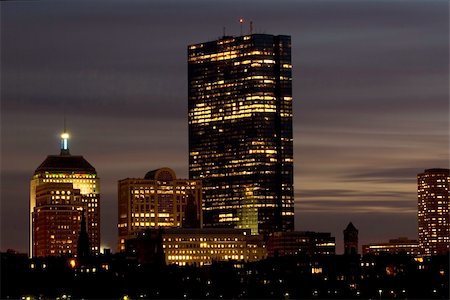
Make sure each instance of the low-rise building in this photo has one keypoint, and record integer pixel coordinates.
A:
(394, 246)
(301, 242)
(195, 246)
(159, 200)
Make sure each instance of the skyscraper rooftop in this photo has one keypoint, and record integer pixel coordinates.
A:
(62, 187)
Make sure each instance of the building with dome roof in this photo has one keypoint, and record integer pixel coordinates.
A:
(159, 200)
(62, 188)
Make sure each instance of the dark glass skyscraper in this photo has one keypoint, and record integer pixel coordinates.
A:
(240, 131)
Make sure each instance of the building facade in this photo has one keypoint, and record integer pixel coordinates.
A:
(199, 247)
(62, 187)
(300, 243)
(159, 200)
(433, 211)
(240, 131)
(394, 246)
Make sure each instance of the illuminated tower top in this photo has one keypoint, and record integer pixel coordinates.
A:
(65, 162)
(65, 143)
(73, 185)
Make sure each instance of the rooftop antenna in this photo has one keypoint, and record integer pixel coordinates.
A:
(251, 27)
(241, 21)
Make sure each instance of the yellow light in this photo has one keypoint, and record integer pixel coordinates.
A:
(65, 135)
(72, 263)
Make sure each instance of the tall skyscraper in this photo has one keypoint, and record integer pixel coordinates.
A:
(159, 200)
(433, 211)
(240, 131)
(62, 187)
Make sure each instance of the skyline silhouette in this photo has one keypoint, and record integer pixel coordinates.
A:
(370, 98)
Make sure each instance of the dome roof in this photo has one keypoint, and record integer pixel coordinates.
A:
(65, 163)
(162, 174)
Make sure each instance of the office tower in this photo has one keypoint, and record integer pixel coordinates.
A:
(350, 239)
(158, 200)
(62, 187)
(240, 131)
(433, 211)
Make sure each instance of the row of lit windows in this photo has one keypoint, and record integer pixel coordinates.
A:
(153, 224)
(254, 61)
(69, 179)
(205, 245)
(152, 215)
(65, 175)
(226, 55)
(141, 190)
(242, 113)
(201, 239)
(234, 110)
(197, 257)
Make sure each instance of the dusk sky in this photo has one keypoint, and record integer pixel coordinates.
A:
(370, 98)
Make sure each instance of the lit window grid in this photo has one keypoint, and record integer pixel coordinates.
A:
(433, 212)
(56, 230)
(297, 242)
(394, 248)
(88, 185)
(203, 249)
(218, 108)
(139, 205)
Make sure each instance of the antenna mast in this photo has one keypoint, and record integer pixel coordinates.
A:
(241, 21)
(65, 128)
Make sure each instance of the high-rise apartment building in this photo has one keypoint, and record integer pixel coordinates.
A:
(433, 211)
(159, 200)
(240, 131)
(63, 188)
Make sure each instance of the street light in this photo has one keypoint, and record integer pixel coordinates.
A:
(380, 291)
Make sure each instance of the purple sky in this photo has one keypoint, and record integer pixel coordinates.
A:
(370, 86)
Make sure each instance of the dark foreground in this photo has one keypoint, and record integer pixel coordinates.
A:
(294, 277)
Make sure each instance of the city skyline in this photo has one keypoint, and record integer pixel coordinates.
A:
(370, 102)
